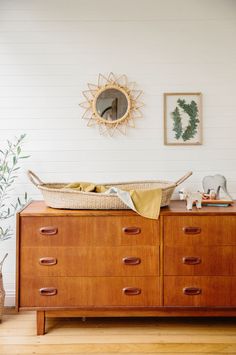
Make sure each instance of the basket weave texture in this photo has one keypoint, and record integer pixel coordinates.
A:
(56, 196)
(2, 297)
(2, 291)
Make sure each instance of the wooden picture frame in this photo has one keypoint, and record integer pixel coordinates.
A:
(183, 118)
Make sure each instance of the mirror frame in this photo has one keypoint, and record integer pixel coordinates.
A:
(103, 89)
(133, 104)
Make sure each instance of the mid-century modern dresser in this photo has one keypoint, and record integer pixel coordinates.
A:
(116, 263)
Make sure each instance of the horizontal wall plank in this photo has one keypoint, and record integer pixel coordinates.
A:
(163, 71)
(168, 9)
(78, 135)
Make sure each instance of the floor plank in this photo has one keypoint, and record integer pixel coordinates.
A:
(103, 336)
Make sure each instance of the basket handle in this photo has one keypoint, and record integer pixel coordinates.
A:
(34, 178)
(1, 263)
(183, 178)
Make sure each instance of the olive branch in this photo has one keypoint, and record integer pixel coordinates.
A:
(9, 167)
(192, 111)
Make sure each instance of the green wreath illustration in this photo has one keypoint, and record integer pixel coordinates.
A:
(192, 111)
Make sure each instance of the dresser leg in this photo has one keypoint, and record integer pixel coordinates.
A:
(40, 322)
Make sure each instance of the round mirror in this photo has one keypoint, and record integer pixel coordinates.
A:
(112, 104)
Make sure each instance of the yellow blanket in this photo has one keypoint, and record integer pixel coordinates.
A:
(145, 202)
(86, 187)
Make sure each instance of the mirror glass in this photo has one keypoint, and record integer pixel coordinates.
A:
(111, 104)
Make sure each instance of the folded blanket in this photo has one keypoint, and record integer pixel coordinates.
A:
(146, 203)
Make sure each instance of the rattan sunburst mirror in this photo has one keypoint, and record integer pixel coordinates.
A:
(112, 104)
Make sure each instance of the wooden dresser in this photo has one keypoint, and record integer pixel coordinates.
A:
(116, 263)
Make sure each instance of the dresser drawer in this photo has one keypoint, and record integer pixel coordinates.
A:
(189, 260)
(200, 291)
(88, 231)
(199, 230)
(90, 261)
(88, 291)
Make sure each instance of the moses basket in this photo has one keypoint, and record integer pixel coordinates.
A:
(56, 196)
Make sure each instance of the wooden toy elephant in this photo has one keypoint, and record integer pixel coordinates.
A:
(191, 198)
(215, 183)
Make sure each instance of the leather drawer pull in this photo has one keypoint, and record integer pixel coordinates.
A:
(131, 291)
(47, 261)
(48, 230)
(191, 260)
(48, 291)
(192, 291)
(131, 260)
(132, 230)
(192, 230)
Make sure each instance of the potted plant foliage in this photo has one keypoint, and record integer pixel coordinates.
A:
(9, 166)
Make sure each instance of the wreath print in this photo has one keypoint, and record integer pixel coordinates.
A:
(192, 111)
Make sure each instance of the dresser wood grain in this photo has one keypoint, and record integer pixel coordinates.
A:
(116, 263)
(104, 261)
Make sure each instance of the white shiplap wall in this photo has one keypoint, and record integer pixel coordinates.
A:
(50, 49)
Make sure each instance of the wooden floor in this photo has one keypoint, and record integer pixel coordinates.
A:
(136, 336)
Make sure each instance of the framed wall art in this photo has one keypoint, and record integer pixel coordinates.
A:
(182, 119)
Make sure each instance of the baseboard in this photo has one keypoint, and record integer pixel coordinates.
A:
(10, 299)
(10, 310)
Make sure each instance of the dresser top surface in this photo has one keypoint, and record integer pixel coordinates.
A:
(176, 207)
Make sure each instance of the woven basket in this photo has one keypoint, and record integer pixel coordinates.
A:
(56, 197)
(2, 291)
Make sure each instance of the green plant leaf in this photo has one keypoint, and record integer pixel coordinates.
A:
(24, 157)
(178, 128)
(192, 111)
(9, 165)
